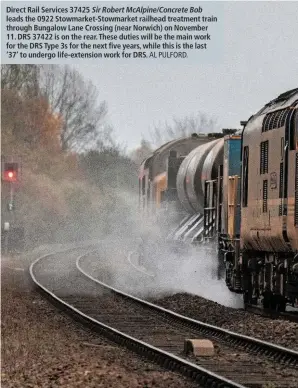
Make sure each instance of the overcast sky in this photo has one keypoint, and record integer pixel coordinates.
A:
(260, 61)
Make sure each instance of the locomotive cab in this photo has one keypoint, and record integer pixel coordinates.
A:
(269, 229)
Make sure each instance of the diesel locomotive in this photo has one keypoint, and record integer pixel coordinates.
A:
(238, 191)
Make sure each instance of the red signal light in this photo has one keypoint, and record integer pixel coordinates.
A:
(10, 173)
(10, 176)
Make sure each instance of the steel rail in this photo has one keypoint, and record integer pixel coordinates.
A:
(276, 352)
(286, 316)
(204, 377)
(137, 268)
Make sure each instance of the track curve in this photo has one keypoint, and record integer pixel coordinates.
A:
(133, 322)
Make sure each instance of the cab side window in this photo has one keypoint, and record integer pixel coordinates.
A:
(296, 128)
(245, 176)
(293, 130)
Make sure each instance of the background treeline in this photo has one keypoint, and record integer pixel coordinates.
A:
(72, 165)
(76, 180)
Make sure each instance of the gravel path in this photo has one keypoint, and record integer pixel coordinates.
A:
(44, 348)
(277, 331)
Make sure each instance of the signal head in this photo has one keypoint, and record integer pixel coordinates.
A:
(10, 172)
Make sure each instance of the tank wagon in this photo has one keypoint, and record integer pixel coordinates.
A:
(239, 191)
(158, 173)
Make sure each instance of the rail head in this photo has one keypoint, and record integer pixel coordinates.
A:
(198, 373)
(224, 332)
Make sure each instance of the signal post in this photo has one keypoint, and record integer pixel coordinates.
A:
(11, 172)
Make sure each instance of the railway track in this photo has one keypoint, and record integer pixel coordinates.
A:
(291, 316)
(159, 334)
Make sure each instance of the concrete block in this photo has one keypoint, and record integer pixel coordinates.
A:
(199, 347)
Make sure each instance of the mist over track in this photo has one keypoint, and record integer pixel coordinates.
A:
(61, 277)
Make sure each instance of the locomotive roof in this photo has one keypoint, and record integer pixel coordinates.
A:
(282, 101)
(279, 104)
(173, 143)
(170, 144)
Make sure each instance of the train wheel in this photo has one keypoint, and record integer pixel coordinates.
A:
(267, 300)
(247, 296)
(280, 303)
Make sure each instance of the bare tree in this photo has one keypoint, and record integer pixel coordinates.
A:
(76, 102)
(141, 153)
(22, 78)
(109, 168)
(199, 123)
